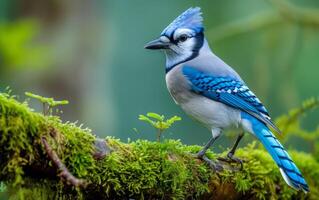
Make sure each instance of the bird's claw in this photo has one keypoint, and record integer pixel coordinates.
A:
(217, 167)
(214, 165)
(231, 159)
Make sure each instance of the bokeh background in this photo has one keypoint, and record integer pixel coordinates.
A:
(91, 53)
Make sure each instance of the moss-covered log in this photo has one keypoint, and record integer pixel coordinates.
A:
(111, 169)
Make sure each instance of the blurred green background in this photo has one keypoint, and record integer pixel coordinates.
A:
(91, 53)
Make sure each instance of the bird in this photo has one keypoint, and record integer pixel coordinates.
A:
(213, 93)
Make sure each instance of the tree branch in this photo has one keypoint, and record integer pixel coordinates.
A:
(286, 11)
(64, 172)
(30, 142)
(296, 14)
(246, 25)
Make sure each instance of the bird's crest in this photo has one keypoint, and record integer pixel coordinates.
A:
(191, 18)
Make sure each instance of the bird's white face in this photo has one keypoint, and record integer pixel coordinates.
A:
(183, 41)
(181, 46)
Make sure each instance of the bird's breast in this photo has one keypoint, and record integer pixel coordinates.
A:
(204, 110)
(178, 86)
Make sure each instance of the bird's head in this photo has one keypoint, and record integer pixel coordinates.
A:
(182, 39)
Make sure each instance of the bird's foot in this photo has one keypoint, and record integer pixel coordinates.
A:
(232, 159)
(216, 166)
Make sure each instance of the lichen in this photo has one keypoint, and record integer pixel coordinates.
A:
(140, 169)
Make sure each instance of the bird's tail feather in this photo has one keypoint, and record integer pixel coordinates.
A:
(288, 169)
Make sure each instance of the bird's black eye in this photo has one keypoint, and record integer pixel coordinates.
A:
(183, 38)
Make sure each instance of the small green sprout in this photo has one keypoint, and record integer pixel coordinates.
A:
(159, 122)
(8, 93)
(48, 103)
(3, 187)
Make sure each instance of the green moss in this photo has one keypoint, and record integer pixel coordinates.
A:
(140, 169)
(19, 128)
(77, 148)
(163, 169)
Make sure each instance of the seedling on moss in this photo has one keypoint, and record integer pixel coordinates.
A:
(48, 103)
(3, 187)
(159, 122)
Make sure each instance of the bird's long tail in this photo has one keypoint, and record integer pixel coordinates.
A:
(288, 169)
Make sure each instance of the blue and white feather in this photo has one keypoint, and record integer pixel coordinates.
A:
(191, 18)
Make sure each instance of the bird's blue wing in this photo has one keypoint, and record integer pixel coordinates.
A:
(228, 91)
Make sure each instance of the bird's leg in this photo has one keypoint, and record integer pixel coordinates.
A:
(201, 155)
(233, 149)
(202, 152)
(230, 155)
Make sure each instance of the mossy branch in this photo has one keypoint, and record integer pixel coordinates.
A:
(283, 11)
(136, 170)
(296, 14)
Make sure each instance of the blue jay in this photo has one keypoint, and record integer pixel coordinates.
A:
(211, 92)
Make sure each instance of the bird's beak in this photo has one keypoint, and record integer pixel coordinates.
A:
(157, 44)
